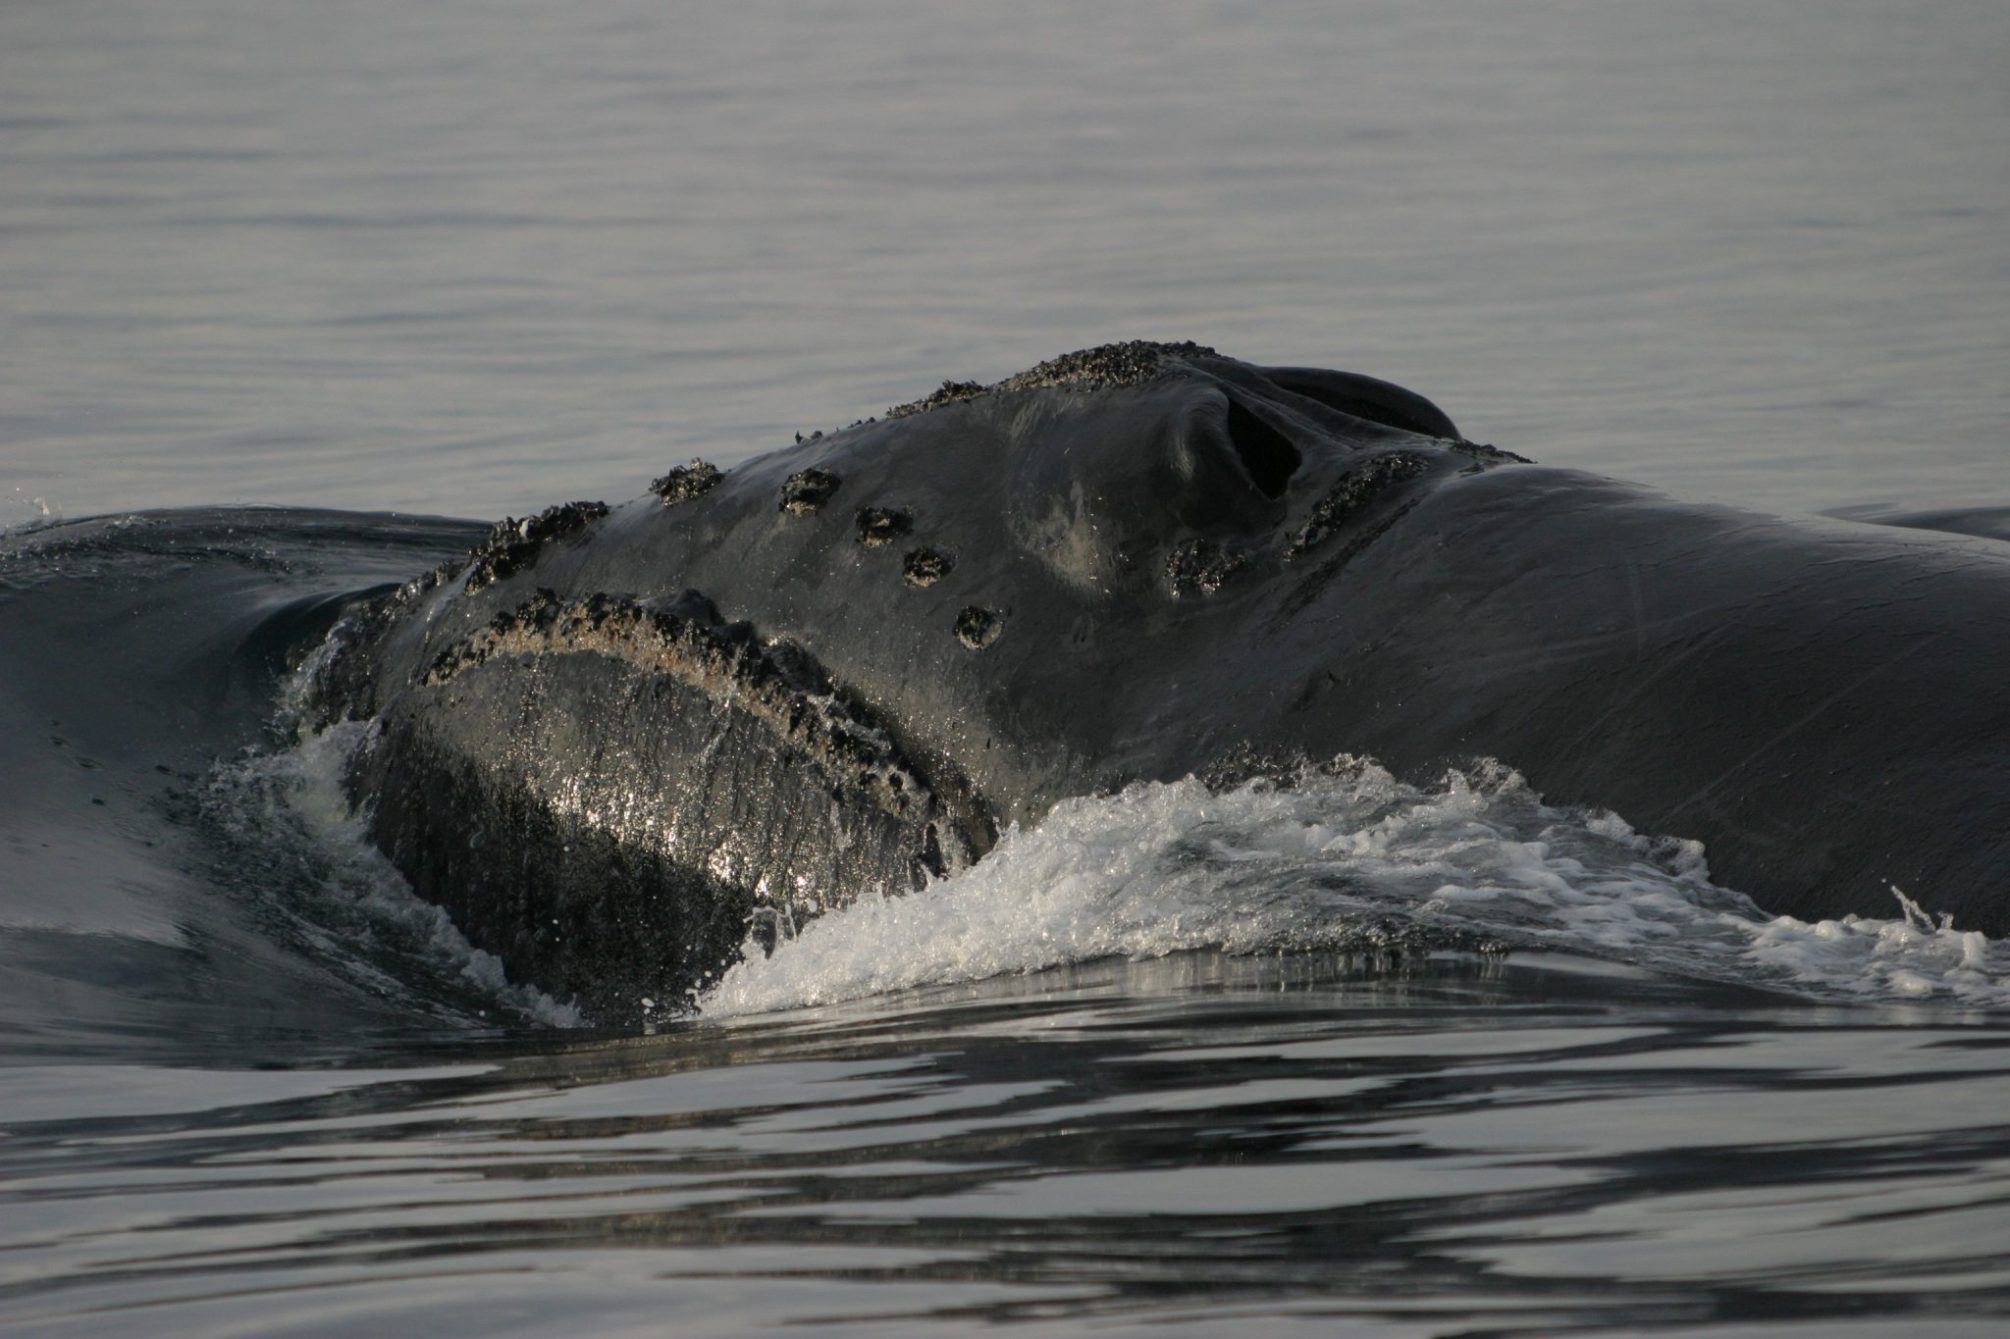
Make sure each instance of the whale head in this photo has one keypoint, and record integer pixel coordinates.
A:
(615, 742)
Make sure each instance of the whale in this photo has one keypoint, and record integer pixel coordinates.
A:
(621, 744)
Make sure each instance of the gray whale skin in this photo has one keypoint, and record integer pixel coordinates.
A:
(614, 739)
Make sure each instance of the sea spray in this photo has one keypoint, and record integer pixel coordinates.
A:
(1348, 855)
(298, 845)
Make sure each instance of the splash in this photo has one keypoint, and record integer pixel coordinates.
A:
(302, 850)
(22, 513)
(1913, 957)
(1338, 858)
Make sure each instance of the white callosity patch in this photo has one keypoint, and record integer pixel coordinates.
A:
(1339, 857)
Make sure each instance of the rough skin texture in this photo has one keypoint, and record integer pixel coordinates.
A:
(1106, 365)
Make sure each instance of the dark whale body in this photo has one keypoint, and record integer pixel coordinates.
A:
(615, 738)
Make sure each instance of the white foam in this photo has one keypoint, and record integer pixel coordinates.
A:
(289, 807)
(23, 513)
(1167, 867)
(1914, 956)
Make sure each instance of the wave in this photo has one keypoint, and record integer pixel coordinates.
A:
(1349, 858)
(283, 817)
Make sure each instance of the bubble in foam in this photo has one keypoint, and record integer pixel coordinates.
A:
(1331, 855)
(290, 826)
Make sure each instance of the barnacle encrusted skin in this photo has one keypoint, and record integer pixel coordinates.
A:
(1353, 492)
(1202, 567)
(805, 492)
(778, 683)
(880, 526)
(977, 627)
(924, 567)
(1127, 364)
(514, 545)
(686, 482)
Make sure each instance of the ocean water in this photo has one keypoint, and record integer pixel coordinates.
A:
(1330, 1055)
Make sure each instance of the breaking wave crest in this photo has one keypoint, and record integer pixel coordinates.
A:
(288, 829)
(1347, 857)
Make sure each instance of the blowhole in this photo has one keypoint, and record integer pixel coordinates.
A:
(1267, 455)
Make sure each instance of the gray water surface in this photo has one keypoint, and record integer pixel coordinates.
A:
(1449, 1146)
(469, 258)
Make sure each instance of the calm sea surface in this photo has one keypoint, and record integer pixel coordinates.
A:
(464, 259)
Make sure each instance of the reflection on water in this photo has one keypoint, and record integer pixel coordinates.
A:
(1527, 1145)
